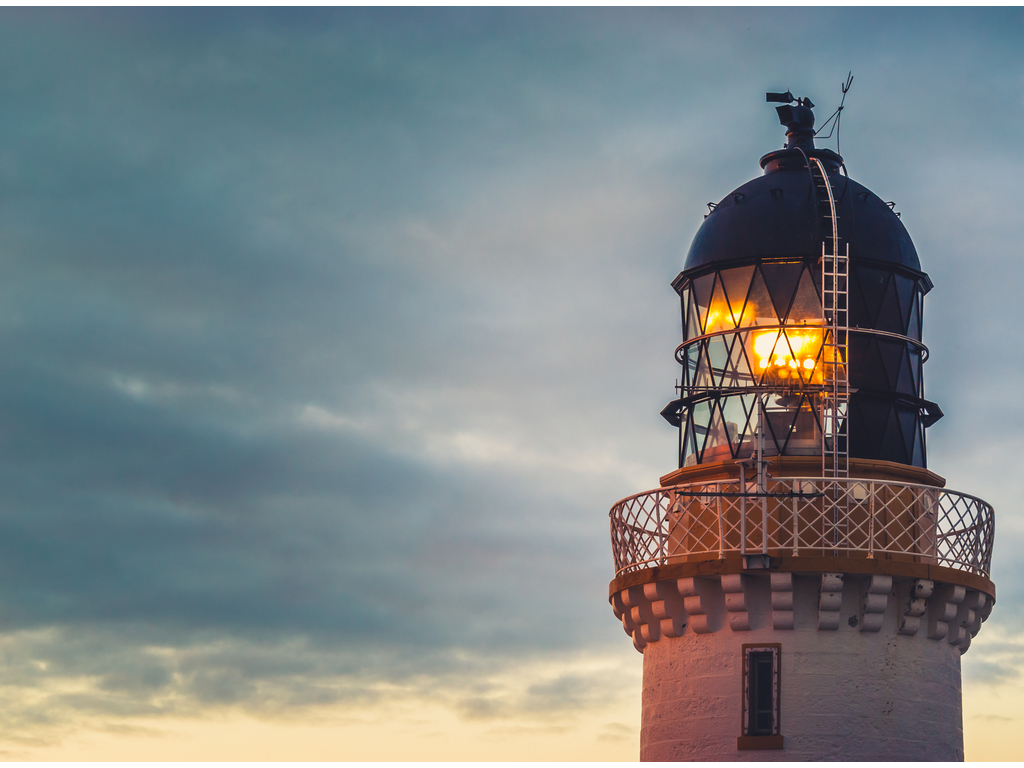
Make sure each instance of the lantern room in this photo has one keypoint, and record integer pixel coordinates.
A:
(768, 330)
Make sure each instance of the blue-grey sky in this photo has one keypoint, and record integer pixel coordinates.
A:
(328, 338)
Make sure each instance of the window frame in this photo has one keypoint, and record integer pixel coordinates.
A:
(750, 737)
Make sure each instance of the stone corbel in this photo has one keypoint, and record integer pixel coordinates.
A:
(666, 607)
(968, 619)
(942, 609)
(831, 600)
(876, 600)
(916, 605)
(782, 600)
(695, 605)
(638, 618)
(735, 601)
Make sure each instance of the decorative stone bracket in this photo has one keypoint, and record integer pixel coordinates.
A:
(730, 602)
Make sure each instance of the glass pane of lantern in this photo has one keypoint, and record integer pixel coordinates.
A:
(908, 418)
(737, 283)
(788, 356)
(915, 369)
(702, 296)
(690, 369)
(907, 382)
(812, 368)
(762, 346)
(859, 446)
(906, 290)
(701, 416)
(778, 416)
(786, 365)
(866, 369)
(718, 355)
(689, 449)
(874, 415)
(717, 447)
(736, 410)
(806, 305)
(894, 448)
(918, 458)
(781, 281)
(889, 317)
(814, 403)
(834, 357)
(693, 318)
(815, 278)
(892, 352)
(873, 283)
(805, 437)
(729, 378)
(806, 346)
(684, 302)
(719, 317)
(752, 406)
(914, 324)
(703, 377)
(739, 373)
(780, 419)
(760, 309)
(858, 316)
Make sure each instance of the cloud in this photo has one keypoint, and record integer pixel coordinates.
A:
(993, 718)
(615, 732)
(58, 679)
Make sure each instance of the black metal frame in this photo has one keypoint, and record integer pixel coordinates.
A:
(726, 305)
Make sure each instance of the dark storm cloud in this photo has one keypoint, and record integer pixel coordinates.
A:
(185, 283)
(156, 515)
(330, 330)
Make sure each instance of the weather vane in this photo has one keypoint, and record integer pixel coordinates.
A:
(790, 115)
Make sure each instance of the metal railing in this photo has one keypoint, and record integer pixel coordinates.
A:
(794, 516)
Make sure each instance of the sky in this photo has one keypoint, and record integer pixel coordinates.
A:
(329, 337)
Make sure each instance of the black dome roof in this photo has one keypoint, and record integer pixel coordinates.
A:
(777, 216)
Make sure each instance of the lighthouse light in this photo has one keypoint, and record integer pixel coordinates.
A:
(789, 353)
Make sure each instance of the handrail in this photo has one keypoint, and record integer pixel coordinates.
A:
(712, 519)
(681, 349)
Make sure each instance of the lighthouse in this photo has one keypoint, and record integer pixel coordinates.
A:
(802, 586)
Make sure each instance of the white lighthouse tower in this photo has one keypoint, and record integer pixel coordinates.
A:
(802, 587)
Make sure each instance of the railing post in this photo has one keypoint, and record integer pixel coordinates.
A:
(662, 520)
(764, 525)
(615, 544)
(921, 523)
(975, 539)
(743, 511)
(871, 521)
(796, 518)
(721, 526)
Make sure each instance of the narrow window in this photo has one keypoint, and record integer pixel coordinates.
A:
(761, 677)
(760, 693)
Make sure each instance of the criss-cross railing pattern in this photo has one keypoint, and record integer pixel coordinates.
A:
(703, 521)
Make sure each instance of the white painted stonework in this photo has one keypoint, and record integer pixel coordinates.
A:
(870, 665)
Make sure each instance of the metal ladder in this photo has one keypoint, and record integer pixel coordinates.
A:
(835, 267)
